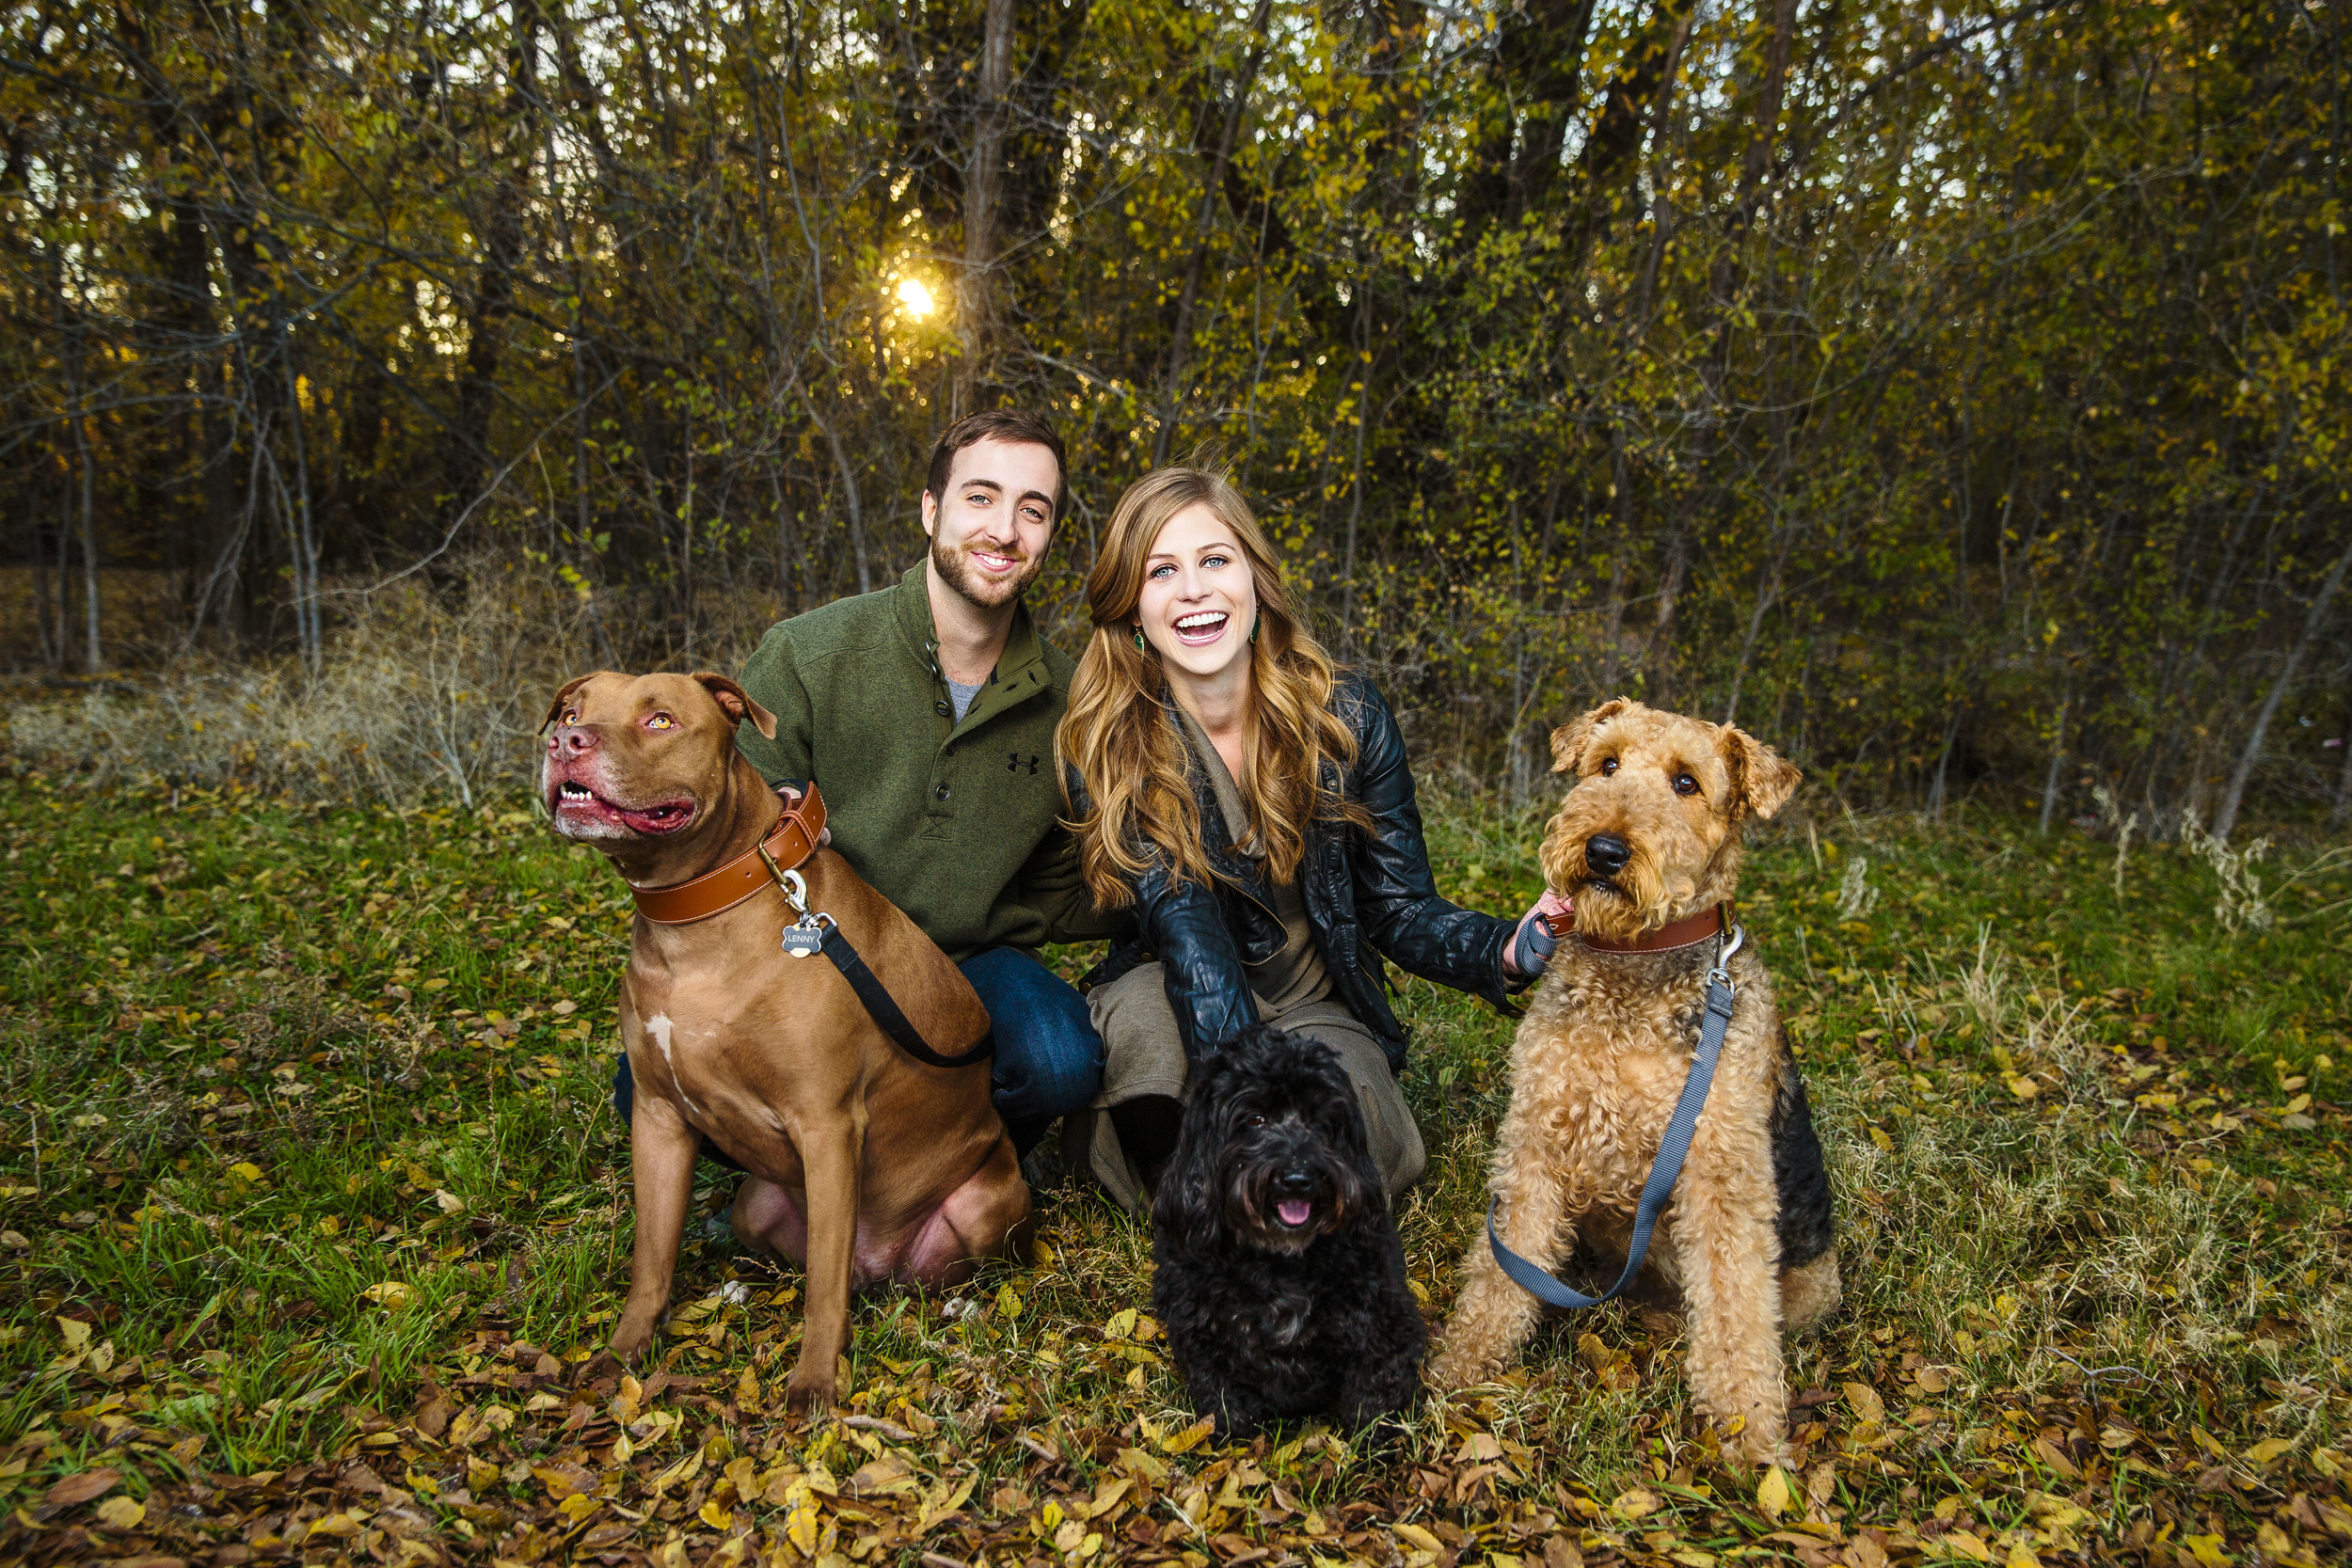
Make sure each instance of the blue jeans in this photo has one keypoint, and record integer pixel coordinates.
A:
(1048, 1062)
(1049, 1059)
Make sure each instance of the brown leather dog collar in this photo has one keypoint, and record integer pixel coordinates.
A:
(791, 842)
(1699, 927)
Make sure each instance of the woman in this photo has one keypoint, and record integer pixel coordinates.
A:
(1252, 805)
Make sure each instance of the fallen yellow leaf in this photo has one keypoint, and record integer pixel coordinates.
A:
(716, 1518)
(1960, 1543)
(1420, 1539)
(1190, 1439)
(121, 1513)
(388, 1292)
(1773, 1494)
(2206, 1549)
(1633, 1504)
(2268, 1450)
(1865, 1402)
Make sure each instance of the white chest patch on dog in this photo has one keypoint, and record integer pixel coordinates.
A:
(658, 1027)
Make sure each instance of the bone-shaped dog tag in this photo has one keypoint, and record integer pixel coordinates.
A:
(801, 939)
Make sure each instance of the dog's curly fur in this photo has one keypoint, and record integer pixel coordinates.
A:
(1280, 1279)
(1746, 1245)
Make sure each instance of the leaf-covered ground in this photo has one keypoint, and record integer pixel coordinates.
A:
(317, 1215)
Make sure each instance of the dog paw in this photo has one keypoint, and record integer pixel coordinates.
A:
(805, 1391)
(1457, 1368)
(630, 1337)
(1754, 1449)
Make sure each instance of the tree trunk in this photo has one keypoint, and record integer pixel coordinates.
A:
(2058, 760)
(2342, 807)
(2313, 621)
(92, 655)
(1180, 337)
(1355, 487)
(983, 182)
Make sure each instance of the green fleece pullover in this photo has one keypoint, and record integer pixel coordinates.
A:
(957, 823)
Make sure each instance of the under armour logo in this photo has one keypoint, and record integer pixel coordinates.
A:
(1013, 763)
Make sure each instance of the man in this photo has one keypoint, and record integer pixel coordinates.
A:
(926, 712)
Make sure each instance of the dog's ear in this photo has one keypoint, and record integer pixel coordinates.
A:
(737, 703)
(1186, 1209)
(1762, 779)
(1569, 740)
(563, 695)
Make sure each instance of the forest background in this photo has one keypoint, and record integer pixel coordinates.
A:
(1956, 398)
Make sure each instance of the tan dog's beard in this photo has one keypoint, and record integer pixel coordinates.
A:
(1638, 899)
(958, 572)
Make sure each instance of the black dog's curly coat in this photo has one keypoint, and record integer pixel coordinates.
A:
(1280, 1279)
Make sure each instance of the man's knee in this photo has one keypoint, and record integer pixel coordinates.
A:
(1047, 1071)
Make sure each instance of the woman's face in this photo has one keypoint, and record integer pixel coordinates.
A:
(1199, 597)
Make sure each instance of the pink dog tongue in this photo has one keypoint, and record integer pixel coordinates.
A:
(1294, 1211)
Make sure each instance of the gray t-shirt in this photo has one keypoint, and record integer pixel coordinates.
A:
(961, 696)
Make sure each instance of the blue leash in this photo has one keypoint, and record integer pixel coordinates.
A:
(1664, 1170)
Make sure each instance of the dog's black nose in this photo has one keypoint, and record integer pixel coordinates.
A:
(1607, 853)
(1298, 1178)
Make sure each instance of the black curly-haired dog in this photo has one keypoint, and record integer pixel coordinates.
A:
(1279, 1280)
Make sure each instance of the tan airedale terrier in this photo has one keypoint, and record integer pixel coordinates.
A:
(1647, 845)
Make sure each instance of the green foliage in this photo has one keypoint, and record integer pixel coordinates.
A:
(1956, 395)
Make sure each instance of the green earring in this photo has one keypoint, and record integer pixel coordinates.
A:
(1139, 648)
(1255, 622)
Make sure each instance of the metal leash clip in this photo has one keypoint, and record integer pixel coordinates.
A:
(1720, 974)
(806, 935)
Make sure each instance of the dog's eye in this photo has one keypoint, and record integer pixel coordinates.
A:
(1253, 1121)
(1685, 785)
(1607, 765)
(660, 721)
(571, 716)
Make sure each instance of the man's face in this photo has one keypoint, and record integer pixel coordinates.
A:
(990, 531)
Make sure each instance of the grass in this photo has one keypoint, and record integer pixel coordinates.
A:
(317, 1212)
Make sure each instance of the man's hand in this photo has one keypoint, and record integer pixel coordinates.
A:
(1531, 946)
(790, 794)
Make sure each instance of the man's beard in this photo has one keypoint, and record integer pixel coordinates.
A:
(974, 585)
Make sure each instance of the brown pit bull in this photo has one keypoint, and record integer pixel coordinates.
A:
(864, 1164)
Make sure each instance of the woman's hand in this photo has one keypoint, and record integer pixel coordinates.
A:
(1529, 948)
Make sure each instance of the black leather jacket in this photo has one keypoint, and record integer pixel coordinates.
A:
(1367, 895)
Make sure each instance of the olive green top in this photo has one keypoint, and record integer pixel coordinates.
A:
(1294, 975)
(955, 821)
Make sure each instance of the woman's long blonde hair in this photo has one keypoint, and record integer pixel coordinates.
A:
(1134, 763)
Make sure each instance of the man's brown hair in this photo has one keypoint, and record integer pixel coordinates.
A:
(1016, 426)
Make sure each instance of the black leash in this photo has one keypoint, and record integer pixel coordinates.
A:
(885, 1012)
(818, 932)
(1664, 1171)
